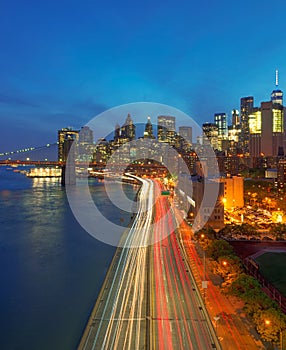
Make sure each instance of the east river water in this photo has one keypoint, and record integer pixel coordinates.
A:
(51, 270)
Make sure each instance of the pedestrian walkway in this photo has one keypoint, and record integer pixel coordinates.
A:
(235, 331)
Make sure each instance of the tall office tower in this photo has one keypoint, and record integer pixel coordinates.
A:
(64, 135)
(272, 131)
(233, 137)
(255, 125)
(166, 129)
(186, 132)
(148, 133)
(85, 144)
(102, 151)
(235, 117)
(210, 134)
(85, 135)
(117, 132)
(221, 122)
(266, 128)
(277, 95)
(246, 108)
(128, 129)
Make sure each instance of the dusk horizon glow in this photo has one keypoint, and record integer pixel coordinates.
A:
(64, 63)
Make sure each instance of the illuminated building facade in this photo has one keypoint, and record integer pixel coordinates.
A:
(148, 133)
(233, 192)
(65, 135)
(272, 128)
(128, 130)
(210, 135)
(220, 120)
(166, 129)
(246, 108)
(281, 175)
(85, 144)
(277, 97)
(266, 130)
(235, 117)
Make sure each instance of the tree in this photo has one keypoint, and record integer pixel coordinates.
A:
(219, 248)
(278, 231)
(257, 301)
(244, 285)
(205, 237)
(269, 324)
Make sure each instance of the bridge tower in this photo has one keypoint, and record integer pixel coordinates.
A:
(68, 167)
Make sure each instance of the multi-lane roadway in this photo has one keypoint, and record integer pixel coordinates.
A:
(149, 300)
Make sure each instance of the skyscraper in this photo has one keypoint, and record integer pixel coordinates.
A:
(277, 95)
(235, 117)
(85, 144)
(246, 108)
(210, 134)
(186, 132)
(272, 130)
(128, 129)
(166, 129)
(148, 133)
(221, 123)
(266, 128)
(65, 135)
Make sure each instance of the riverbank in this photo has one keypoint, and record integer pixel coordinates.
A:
(108, 277)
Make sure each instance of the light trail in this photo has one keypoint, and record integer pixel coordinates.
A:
(147, 301)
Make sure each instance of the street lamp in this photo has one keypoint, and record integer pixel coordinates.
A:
(216, 318)
(267, 322)
(204, 282)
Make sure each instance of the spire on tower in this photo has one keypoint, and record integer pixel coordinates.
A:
(276, 78)
(277, 94)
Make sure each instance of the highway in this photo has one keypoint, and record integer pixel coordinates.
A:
(178, 319)
(148, 300)
(119, 318)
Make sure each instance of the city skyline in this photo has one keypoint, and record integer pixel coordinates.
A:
(62, 65)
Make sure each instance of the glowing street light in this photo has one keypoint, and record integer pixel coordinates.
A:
(267, 322)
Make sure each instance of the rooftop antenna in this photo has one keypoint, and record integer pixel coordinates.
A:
(276, 78)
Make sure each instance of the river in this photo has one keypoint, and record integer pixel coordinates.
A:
(51, 270)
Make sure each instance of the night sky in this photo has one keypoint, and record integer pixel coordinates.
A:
(63, 62)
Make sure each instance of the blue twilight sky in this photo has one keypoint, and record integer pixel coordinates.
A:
(62, 62)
